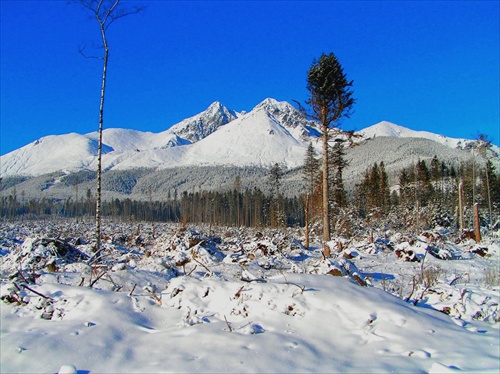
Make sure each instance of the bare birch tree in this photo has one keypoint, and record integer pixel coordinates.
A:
(105, 12)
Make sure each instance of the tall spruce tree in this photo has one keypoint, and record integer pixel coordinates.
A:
(385, 192)
(310, 176)
(310, 170)
(337, 164)
(330, 99)
(276, 203)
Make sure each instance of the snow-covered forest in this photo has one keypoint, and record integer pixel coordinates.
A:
(426, 191)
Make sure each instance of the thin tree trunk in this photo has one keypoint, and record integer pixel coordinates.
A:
(460, 205)
(326, 207)
(489, 196)
(477, 228)
(307, 221)
(99, 146)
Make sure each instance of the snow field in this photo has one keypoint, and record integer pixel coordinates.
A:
(200, 303)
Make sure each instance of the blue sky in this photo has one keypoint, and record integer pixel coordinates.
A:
(426, 65)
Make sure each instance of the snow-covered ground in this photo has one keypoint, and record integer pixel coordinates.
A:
(165, 298)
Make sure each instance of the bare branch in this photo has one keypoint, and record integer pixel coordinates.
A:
(80, 49)
(124, 13)
(228, 325)
(105, 13)
(109, 12)
(35, 292)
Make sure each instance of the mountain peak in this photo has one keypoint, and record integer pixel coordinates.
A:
(273, 105)
(385, 128)
(267, 102)
(203, 124)
(215, 106)
(289, 117)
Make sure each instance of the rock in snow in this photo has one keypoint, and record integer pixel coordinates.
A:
(68, 369)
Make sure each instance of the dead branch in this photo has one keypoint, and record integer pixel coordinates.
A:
(408, 298)
(228, 325)
(157, 299)
(98, 277)
(302, 288)
(238, 293)
(35, 292)
(209, 271)
(132, 291)
(193, 269)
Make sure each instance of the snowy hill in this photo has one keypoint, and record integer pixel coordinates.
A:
(386, 129)
(392, 130)
(55, 152)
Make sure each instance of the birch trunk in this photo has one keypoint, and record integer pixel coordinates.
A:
(98, 219)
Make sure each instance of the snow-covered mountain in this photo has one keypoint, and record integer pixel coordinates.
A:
(50, 153)
(202, 125)
(72, 152)
(392, 130)
(272, 132)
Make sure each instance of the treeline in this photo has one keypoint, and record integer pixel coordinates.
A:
(427, 193)
(229, 208)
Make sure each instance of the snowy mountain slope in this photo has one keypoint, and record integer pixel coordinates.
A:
(272, 132)
(74, 151)
(187, 131)
(288, 116)
(51, 153)
(127, 140)
(397, 153)
(257, 138)
(392, 130)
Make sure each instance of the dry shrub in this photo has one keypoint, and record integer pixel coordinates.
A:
(491, 276)
(429, 276)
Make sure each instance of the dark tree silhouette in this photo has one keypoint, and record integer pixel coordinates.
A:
(330, 99)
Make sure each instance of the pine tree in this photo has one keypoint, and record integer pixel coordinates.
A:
(337, 165)
(406, 188)
(425, 190)
(385, 193)
(310, 171)
(330, 99)
(276, 203)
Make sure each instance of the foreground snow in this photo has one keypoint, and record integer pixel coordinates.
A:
(202, 308)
